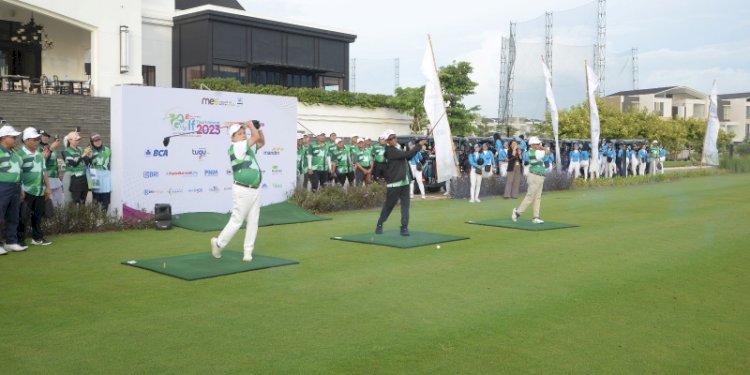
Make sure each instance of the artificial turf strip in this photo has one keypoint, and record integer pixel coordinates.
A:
(203, 265)
(393, 238)
(654, 281)
(522, 224)
(273, 214)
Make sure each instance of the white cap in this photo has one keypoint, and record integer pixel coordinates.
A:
(30, 133)
(72, 136)
(360, 140)
(300, 136)
(338, 140)
(234, 129)
(8, 130)
(388, 133)
(655, 141)
(534, 141)
(353, 136)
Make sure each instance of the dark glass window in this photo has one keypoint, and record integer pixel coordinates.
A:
(149, 75)
(189, 73)
(331, 83)
(225, 71)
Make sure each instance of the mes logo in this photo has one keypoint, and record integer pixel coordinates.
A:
(157, 153)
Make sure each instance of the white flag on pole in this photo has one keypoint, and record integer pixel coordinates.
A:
(435, 108)
(553, 111)
(592, 82)
(710, 151)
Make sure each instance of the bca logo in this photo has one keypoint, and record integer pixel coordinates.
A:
(157, 153)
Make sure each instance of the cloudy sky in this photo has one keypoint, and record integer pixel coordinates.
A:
(680, 42)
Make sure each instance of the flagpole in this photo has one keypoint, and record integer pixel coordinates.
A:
(445, 111)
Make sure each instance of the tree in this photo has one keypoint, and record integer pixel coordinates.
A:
(456, 85)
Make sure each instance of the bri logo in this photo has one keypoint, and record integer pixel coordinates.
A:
(150, 174)
(211, 172)
(157, 153)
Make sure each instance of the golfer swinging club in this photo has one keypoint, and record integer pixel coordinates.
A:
(245, 194)
(535, 180)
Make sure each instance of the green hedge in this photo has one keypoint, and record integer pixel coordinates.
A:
(735, 165)
(303, 94)
(336, 198)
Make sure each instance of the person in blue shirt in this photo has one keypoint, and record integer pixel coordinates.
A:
(475, 174)
(610, 155)
(502, 159)
(642, 160)
(622, 161)
(489, 161)
(631, 161)
(521, 143)
(585, 163)
(549, 159)
(498, 143)
(416, 163)
(662, 158)
(575, 161)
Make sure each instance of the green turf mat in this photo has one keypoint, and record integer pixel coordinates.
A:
(395, 239)
(203, 265)
(273, 214)
(524, 224)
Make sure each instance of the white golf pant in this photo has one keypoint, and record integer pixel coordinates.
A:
(633, 166)
(503, 168)
(476, 184)
(245, 206)
(652, 167)
(585, 166)
(417, 176)
(533, 194)
(574, 168)
(661, 163)
(641, 168)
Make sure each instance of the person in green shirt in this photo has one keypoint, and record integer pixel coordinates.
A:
(101, 156)
(653, 157)
(535, 182)
(318, 160)
(362, 164)
(53, 175)
(76, 159)
(341, 164)
(378, 155)
(245, 189)
(34, 187)
(10, 188)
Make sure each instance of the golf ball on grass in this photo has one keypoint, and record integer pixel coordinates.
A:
(437, 247)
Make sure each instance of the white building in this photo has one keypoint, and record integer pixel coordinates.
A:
(734, 115)
(676, 102)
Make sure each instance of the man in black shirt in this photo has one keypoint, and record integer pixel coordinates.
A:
(397, 178)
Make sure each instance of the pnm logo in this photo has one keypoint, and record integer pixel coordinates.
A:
(211, 172)
(157, 153)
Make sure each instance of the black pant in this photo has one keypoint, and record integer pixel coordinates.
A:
(342, 177)
(79, 189)
(10, 200)
(318, 179)
(102, 199)
(392, 196)
(34, 206)
(378, 171)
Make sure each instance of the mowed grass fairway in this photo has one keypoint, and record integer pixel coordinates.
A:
(655, 280)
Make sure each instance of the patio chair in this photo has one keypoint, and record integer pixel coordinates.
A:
(86, 88)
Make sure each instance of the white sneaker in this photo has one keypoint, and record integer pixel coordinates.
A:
(2, 251)
(15, 247)
(215, 249)
(446, 193)
(515, 215)
(477, 200)
(41, 242)
(423, 197)
(247, 258)
(537, 220)
(471, 201)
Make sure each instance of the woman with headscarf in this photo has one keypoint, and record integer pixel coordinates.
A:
(101, 156)
(515, 170)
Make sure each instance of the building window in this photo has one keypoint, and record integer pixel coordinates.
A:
(299, 80)
(225, 71)
(659, 108)
(331, 83)
(281, 77)
(747, 112)
(189, 73)
(149, 75)
(266, 77)
(699, 111)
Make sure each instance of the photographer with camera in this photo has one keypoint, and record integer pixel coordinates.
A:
(50, 159)
(514, 170)
(76, 160)
(247, 177)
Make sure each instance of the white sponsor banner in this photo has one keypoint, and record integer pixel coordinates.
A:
(192, 172)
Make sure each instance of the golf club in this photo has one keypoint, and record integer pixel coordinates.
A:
(166, 139)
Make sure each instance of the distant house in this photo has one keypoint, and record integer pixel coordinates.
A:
(734, 115)
(666, 102)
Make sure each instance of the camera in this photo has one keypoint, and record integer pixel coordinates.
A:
(257, 124)
(480, 161)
